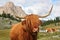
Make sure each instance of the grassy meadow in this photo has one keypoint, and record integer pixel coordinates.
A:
(4, 35)
(5, 29)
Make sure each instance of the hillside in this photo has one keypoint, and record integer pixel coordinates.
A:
(10, 8)
(5, 23)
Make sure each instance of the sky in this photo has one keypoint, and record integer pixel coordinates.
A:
(38, 7)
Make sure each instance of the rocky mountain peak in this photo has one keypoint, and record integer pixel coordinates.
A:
(9, 4)
(10, 8)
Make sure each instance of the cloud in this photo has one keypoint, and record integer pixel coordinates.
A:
(18, 2)
(2, 2)
(42, 6)
(56, 11)
(38, 8)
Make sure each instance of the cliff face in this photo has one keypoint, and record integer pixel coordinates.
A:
(10, 8)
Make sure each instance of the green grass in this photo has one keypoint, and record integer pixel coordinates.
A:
(5, 23)
(49, 36)
(4, 35)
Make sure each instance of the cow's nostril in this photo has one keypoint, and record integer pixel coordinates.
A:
(35, 29)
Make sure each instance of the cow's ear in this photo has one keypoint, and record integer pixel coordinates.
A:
(23, 22)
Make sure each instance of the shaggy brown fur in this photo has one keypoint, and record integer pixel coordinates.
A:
(24, 29)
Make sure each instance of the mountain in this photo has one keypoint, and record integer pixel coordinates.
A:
(10, 8)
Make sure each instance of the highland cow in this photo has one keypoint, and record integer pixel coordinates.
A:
(28, 28)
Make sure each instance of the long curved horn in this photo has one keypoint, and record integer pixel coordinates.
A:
(47, 14)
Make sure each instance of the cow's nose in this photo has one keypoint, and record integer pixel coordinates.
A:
(35, 29)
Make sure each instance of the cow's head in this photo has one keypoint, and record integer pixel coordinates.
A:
(32, 21)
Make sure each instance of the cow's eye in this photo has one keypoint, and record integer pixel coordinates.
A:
(35, 26)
